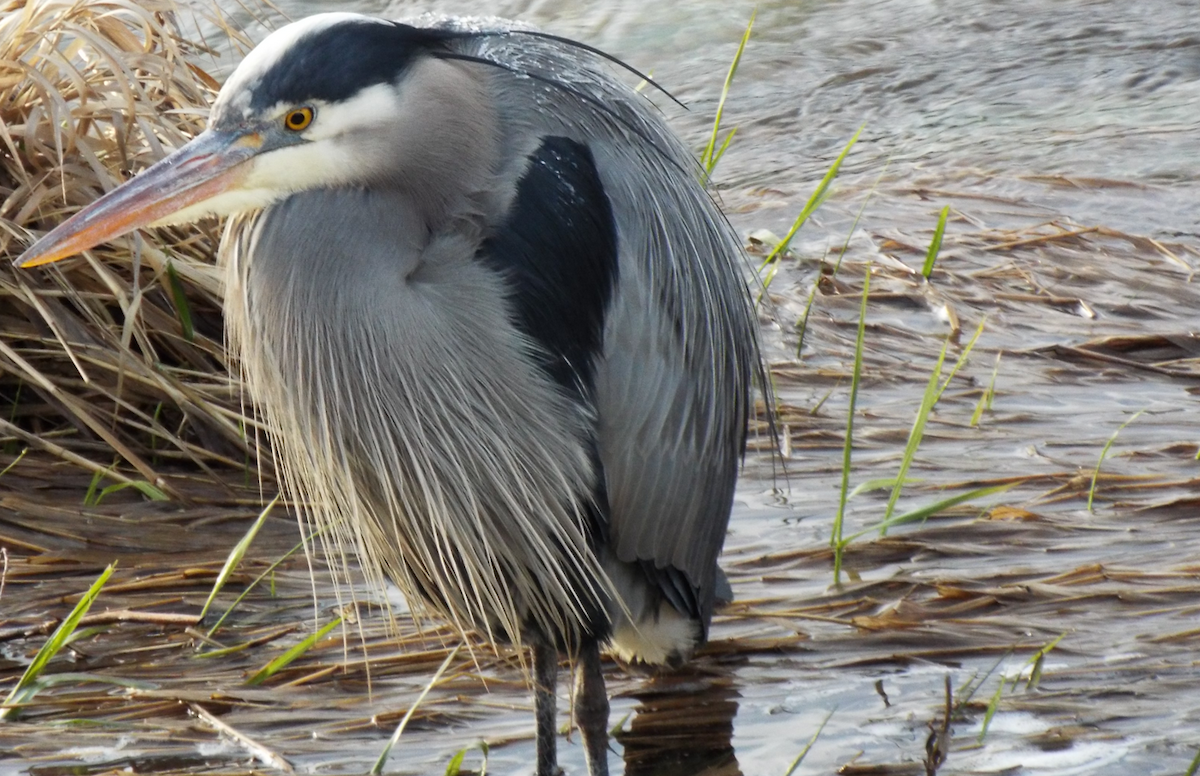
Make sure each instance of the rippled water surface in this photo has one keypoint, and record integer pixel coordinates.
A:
(1065, 136)
(1010, 90)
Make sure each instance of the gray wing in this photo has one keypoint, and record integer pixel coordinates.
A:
(672, 389)
(672, 385)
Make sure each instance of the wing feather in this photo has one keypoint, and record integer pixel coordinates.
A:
(672, 384)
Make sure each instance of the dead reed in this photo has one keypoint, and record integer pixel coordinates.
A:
(113, 361)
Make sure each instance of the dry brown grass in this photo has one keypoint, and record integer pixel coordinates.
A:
(120, 350)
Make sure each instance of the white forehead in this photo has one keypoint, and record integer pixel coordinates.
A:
(235, 94)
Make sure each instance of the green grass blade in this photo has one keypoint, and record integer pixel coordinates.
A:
(1104, 454)
(52, 680)
(992, 707)
(835, 540)
(284, 660)
(872, 485)
(935, 244)
(267, 571)
(143, 487)
(802, 324)
(925, 512)
(57, 640)
(985, 401)
(79, 634)
(804, 752)
(968, 690)
(182, 308)
(724, 147)
(149, 491)
(962, 358)
(915, 434)
(454, 768)
(814, 201)
(15, 461)
(933, 394)
(765, 285)
(1038, 661)
(395, 739)
(90, 494)
(236, 555)
(1191, 771)
(712, 155)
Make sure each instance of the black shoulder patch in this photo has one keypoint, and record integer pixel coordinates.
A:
(558, 251)
(336, 62)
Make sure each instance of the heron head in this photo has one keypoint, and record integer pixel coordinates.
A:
(333, 100)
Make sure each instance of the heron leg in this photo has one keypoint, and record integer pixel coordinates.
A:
(591, 709)
(545, 678)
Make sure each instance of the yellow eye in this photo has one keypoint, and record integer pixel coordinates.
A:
(298, 120)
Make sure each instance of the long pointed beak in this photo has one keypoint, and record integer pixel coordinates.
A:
(211, 163)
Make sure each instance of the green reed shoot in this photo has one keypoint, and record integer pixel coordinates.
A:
(815, 200)
(928, 401)
(1104, 453)
(819, 195)
(835, 539)
(1035, 662)
(235, 558)
(95, 494)
(992, 707)
(935, 244)
(141, 486)
(27, 686)
(268, 571)
(933, 392)
(985, 401)
(802, 324)
(395, 739)
(968, 690)
(712, 152)
(804, 752)
(1191, 771)
(1038, 661)
(454, 768)
(772, 269)
(921, 514)
(284, 660)
(93, 486)
(15, 461)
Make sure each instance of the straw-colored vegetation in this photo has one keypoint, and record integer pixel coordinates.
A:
(113, 361)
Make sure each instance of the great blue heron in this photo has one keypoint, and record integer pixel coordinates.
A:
(494, 322)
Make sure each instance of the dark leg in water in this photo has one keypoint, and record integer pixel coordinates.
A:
(591, 709)
(545, 678)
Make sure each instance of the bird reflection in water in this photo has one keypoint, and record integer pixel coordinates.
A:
(683, 726)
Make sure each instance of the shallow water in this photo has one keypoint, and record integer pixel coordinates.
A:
(1010, 91)
(1017, 114)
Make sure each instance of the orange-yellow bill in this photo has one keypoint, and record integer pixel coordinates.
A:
(212, 163)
